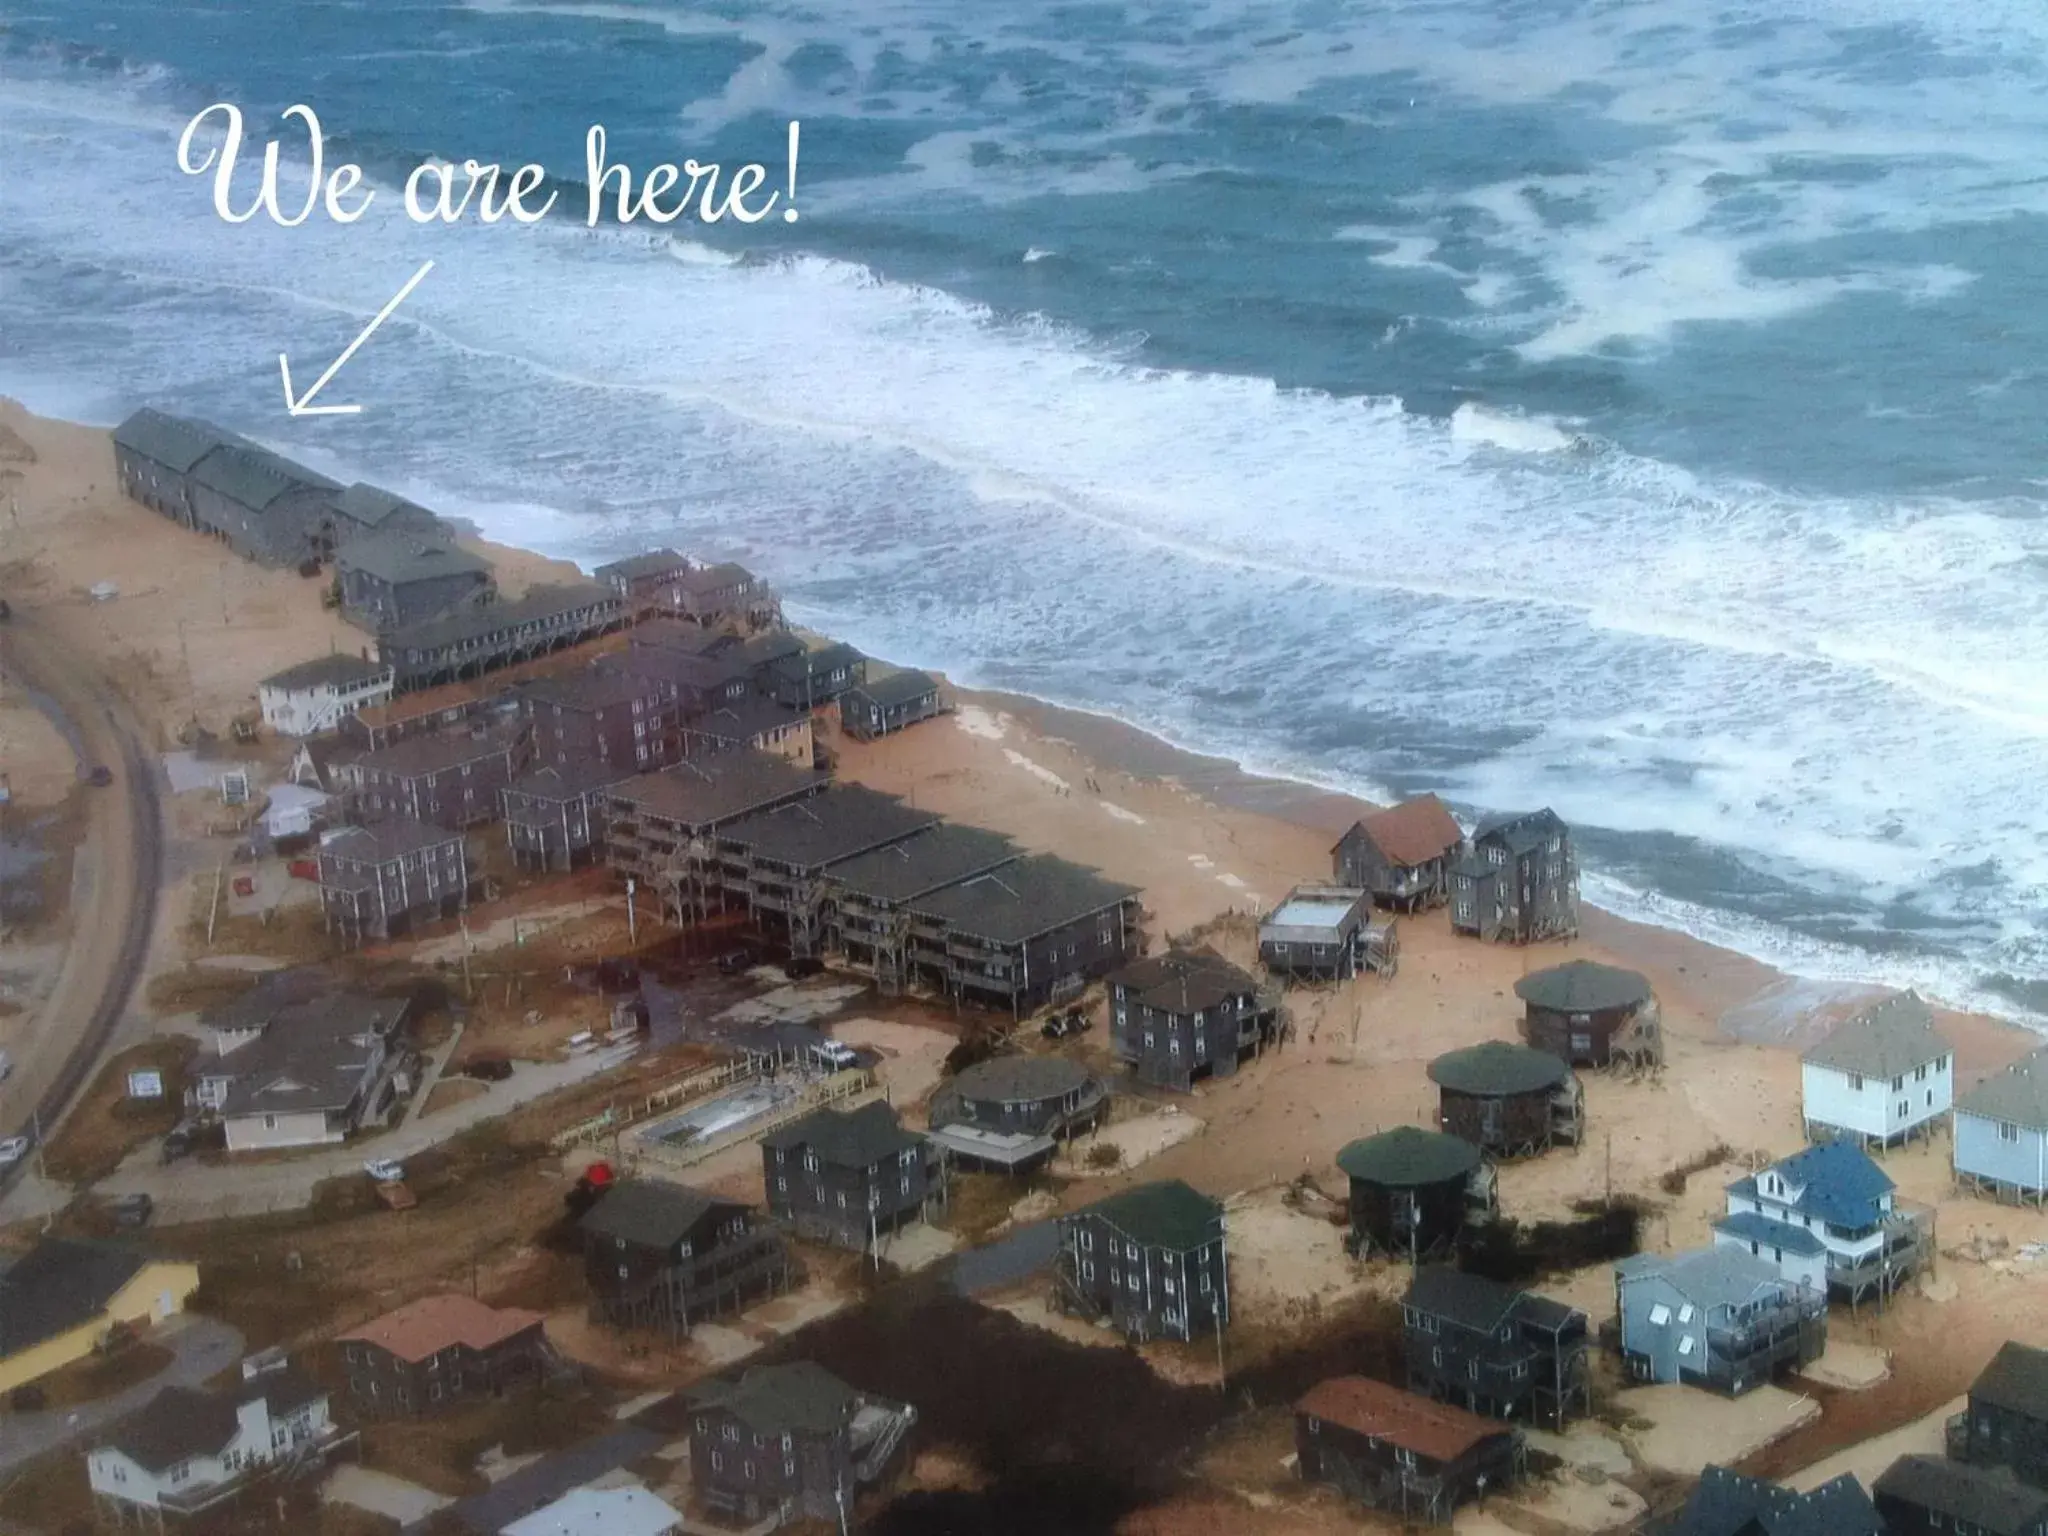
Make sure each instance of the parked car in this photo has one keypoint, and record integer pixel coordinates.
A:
(385, 1170)
(836, 1054)
(13, 1150)
(133, 1211)
(797, 967)
(177, 1144)
(1061, 1025)
(735, 962)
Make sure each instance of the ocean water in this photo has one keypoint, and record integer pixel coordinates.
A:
(1625, 405)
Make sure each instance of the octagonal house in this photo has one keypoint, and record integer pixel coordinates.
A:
(1592, 1015)
(1010, 1113)
(1413, 1191)
(1508, 1100)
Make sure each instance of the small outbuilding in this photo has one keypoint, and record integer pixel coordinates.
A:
(1010, 1113)
(1508, 1100)
(1413, 1191)
(1324, 933)
(1592, 1015)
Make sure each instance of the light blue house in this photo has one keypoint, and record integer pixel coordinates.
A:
(1715, 1317)
(2001, 1144)
(1826, 1217)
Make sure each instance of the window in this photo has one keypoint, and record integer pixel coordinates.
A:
(1685, 1313)
(789, 1466)
(1131, 1279)
(700, 1426)
(2007, 1131)
(1087, 1269)
(1685, 1345)
(1659, 1315)
(1087, 1242)
(782, 1186)
(732, 1432)
(1855, 1082)
(1472, 1369)
(1436, 1357)
(1404, 1458)
(624, 1272)
(717, 1462)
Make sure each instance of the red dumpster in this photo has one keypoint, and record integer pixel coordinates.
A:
(304, 869)
(245, 885)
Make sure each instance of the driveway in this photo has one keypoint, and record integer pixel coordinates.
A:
(1013, 1257)
(199, 1191)
(200, 1346)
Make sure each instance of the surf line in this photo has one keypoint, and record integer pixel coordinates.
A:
(441, 192)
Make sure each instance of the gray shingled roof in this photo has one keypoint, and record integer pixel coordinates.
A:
(1021, 900)
(58, 1284)
(180, 1423)
(1169, 1214)
(801, 1397)
(1498, 1069)
(310, 1056)
(2017, 1096)
(401, 557)
(651, 1214)
(1521, 831)
(436, 752)
(855, 1138)
(1726, 1503)
(1582, 986)
(176, 442)
(255, 477)
(2016, 1380)
(743, 720)
(1711, 1277)
(897, 688)
(1184, 981)
(1472, 1301)
(1889, 1040)
(707, 792)
(1990, 1498)
(925, 861)
(653, 562)
(1021, 1079)
(387, 840)
(844, 821)
(339, 671)
(713, 578)
(541, 605)
(1407, 1156)
(371, 506)
(568, 781)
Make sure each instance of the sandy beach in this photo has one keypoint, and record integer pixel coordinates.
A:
(191, 628)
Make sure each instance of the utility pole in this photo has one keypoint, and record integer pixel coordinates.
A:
(1609, 1199)
(632, 921)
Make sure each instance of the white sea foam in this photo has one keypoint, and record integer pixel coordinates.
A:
(976, 721)
(1471, 423)
(1037, 253)
(1120, 813)
(1037, 770)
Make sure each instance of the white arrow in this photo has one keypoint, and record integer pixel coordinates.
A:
(301, 405)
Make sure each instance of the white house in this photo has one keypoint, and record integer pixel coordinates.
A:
(600, 1512)
(318, 695)
(1883, 1077)
(305, 1072)
(185, 1451)
(1826, 1218)
(2002, 1131)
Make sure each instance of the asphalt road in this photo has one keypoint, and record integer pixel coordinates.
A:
(200, 1349)
(119, 867)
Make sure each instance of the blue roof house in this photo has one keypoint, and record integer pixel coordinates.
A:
(1827, 1218)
